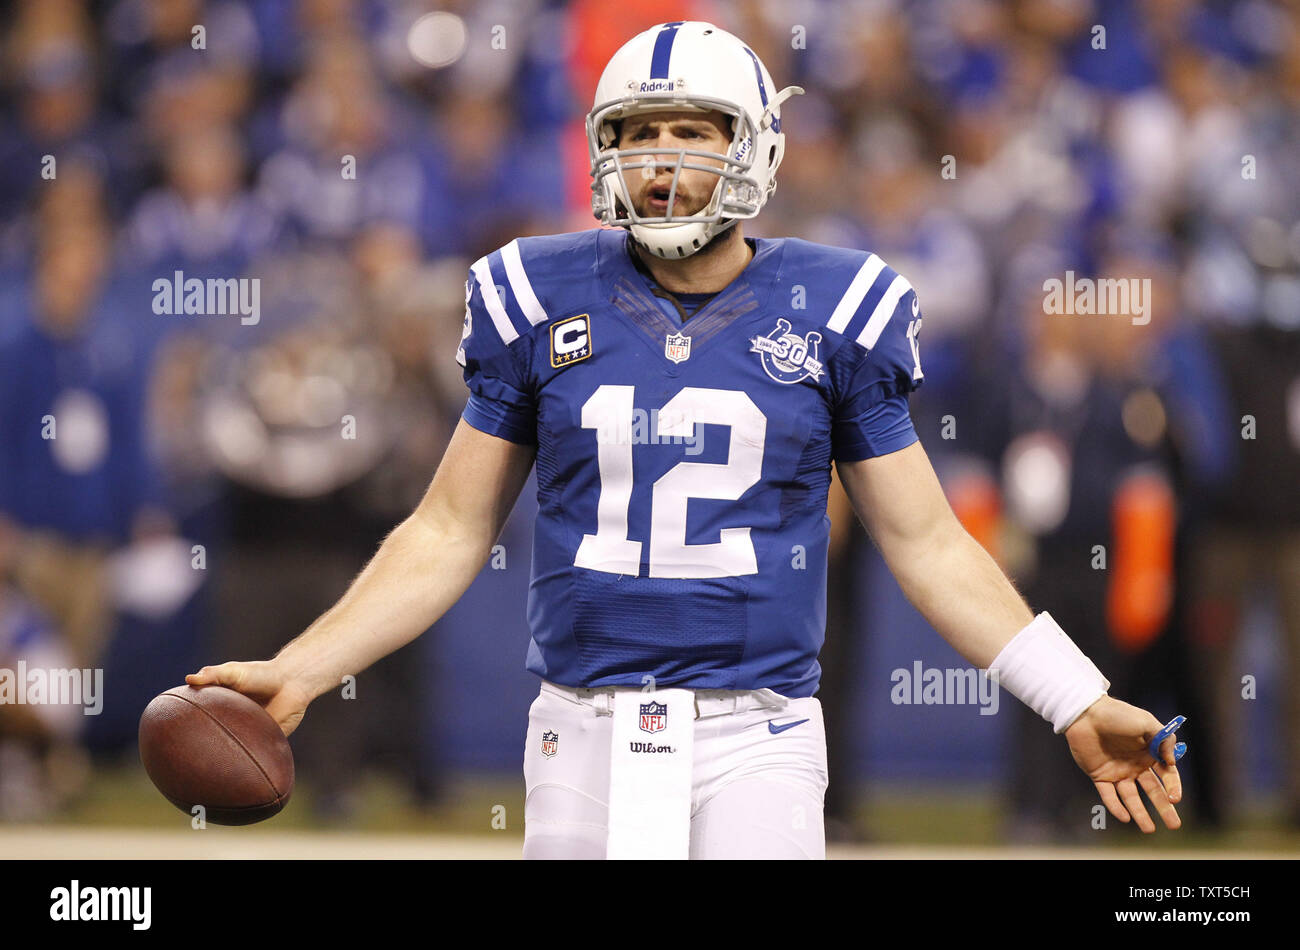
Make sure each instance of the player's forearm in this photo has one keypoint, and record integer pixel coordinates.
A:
(961, 591)
(419, 571)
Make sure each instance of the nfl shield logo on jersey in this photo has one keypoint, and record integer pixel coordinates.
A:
(678, 347)
(654, 717)
(550, 743)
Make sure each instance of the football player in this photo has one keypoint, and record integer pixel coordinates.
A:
(683, 391)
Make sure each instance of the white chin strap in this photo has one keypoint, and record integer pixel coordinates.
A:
(678, 240)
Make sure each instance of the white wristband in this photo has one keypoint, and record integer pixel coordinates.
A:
(1043, 668)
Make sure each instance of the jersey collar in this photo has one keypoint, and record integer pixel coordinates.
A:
(751, 289)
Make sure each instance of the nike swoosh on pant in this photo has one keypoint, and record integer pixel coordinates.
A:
(773, 728)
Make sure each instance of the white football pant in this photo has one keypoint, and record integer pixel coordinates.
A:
(758, 781)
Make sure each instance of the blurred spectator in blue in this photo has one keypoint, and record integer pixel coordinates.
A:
(51, 66)
(202, 220)
(495, 178)
(349, 156)
(78, 478)
(1108, 44)
(181, 63)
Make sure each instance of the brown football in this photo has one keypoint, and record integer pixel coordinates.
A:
(217, 748)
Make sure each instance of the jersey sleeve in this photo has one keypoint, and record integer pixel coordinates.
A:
(501, 400)
(882, 368)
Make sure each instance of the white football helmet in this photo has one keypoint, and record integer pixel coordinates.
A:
(690, 66)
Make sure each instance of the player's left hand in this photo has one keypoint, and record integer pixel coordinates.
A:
(1109, 742)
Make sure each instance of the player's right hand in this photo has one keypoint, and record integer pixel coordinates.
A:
(262, 681)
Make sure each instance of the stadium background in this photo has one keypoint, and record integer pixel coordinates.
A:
(357, 156)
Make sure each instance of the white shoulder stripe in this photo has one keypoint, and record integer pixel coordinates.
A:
(492, 301)
(518, 281)
(852, 299)
(884, 310)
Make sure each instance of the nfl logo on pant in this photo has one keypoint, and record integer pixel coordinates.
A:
(550, 743)
(654, 717)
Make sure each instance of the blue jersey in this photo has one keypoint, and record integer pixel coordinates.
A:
(683, 467)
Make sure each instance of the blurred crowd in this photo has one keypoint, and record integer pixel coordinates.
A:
(214, 482)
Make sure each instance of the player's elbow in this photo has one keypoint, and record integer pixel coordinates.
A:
(444, 529)
(915, 551)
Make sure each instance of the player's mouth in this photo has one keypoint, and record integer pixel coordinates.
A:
(657, 200)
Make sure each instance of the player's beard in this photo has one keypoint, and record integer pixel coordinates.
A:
(718, 241)
(685, 202)
(693, 203)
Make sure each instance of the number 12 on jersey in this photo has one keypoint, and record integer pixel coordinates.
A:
(609, 411)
